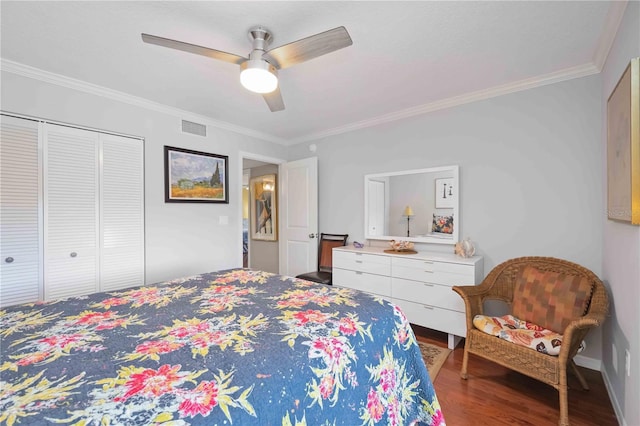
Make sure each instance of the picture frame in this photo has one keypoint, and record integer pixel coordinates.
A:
(195, 177)
(445, 193)
(623, 147)
(263, 210)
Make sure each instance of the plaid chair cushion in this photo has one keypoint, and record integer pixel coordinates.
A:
(550, 299)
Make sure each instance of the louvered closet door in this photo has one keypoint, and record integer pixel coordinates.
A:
(20, 239)
(122, 218)
(71, 202)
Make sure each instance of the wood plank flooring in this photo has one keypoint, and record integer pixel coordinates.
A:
(494, 395)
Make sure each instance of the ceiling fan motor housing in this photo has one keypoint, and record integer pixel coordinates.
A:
(260, 38)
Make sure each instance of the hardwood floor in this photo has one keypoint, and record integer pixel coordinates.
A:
(494, 395)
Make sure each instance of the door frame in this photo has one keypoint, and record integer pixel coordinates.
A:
(242, 155)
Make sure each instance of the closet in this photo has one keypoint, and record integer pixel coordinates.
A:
(71, 211)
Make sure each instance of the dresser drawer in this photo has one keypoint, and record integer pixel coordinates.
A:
(433, 266)
(426, 293)
(370, 283)
(444, 320)
(362, 262)
(433, 272)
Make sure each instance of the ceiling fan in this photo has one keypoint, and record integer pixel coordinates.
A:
(259, 71)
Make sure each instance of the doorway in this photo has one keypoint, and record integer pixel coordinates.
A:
(256, 254)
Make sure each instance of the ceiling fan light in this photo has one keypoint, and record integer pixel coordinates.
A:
(257, 75)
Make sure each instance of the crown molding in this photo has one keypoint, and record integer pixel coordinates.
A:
(609, 32)
(518, 86)
(83, 86)
(60, 80)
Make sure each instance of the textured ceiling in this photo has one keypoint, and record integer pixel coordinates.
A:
(406, 57)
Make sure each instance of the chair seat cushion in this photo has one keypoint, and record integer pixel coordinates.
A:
(322, 277)
(520, 332)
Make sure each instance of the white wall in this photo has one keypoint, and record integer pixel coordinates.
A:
(181, 238)
(529, 172)
(621, 244)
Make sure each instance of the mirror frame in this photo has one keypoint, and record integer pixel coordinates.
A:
(421, 239)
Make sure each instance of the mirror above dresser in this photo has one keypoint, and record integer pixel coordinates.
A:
(422, 203)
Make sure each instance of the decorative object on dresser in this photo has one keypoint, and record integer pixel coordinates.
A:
(404, 247)
(195, 177)
(623, 147)
(411, 194)
(325, 258)
(533, 331)
(420, 284)
(465, 248)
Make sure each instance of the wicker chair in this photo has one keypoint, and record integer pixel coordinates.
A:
(499, 285)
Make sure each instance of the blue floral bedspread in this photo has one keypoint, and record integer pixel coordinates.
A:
(234, 347)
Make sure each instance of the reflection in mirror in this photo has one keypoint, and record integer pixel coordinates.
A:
(414, 205)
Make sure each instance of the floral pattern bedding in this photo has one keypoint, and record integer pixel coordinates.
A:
(230, 347)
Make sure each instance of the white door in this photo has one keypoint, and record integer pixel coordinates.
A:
(375, 211)
(71, 212)
(299, 216)
(20, 219)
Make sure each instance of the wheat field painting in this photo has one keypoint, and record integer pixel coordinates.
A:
(197, 177)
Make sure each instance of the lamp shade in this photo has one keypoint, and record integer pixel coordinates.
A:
(408, 211)
(258, 76)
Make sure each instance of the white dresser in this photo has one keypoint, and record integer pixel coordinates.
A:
(420, 284)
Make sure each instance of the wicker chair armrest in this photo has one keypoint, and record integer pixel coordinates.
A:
(576, 331)
(472, 296)
(470, 290)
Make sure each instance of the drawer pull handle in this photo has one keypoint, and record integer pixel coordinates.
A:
(9, 259)
(431, 272)
(358, 254)
(73, 254)
(428, 262)
(427, 285)
(428, 307)
(358, 273)
(358, 261)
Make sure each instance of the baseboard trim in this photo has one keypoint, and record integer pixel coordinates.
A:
(612, 397)
(590, 363)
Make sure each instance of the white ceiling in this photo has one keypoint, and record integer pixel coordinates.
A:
(407, 58)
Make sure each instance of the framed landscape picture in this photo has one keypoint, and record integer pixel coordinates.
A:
(195, 177)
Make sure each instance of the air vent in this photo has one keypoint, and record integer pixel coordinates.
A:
(194, 128)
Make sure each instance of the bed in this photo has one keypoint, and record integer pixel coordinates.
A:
(229, 347)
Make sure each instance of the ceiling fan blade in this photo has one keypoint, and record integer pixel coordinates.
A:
(308, 48)
(193, 48)
(274, 100)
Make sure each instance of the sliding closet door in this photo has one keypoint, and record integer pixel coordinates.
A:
(20, 219)
(71, 212)
(122, 213)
